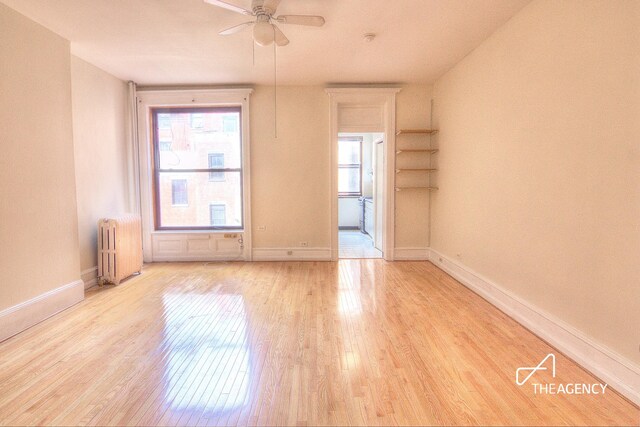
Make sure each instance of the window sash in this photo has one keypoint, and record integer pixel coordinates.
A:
(155, 112)
(174, 177)
(352, 193)
(352, 166)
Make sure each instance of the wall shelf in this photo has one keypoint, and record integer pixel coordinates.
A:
(416, 170)
(424, 150)
(417, 188)
(420, 156)
(416, 131)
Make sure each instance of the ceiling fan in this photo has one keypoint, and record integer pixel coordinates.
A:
(265, 31)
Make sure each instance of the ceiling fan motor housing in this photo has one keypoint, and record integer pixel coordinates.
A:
(259, 10)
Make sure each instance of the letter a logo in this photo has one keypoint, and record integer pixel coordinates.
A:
(533, 370)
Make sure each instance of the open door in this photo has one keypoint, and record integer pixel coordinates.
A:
(378, 193)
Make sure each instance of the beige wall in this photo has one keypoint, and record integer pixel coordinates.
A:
(38, 222)
(540, 164)
(291, 176)
(100, 146)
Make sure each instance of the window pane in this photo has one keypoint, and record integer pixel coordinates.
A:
(186, 138)
(201, 194)
(349, 152)
(349, 180)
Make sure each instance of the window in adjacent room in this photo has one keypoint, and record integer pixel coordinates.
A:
(350, 167)
(198, 180)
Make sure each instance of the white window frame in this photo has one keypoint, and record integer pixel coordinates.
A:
(149, 99)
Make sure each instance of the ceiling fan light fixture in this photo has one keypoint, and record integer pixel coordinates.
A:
(263, 33)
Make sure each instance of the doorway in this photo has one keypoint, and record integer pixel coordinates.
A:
(355, 113)
(360, 180)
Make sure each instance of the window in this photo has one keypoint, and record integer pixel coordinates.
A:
(216, 161)
(179, 192)
(198, 181)
(217, 215)
(349, 167)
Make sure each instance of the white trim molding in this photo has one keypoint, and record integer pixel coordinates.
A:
(292, 254)
(620, 373)
(412, 254)
(89, 277)
(16, 319)
(384, 98)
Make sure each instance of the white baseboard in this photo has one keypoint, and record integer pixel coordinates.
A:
(292, 254)
(620, 373)
(411, 254)
(16, 319)
(89, 277)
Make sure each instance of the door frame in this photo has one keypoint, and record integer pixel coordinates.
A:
(384, 101)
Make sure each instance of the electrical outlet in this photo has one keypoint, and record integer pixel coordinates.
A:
(304, 244)
(262, 228)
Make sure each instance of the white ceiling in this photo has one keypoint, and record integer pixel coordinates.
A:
(175, 41)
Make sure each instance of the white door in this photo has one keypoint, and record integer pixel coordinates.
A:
(378, 179)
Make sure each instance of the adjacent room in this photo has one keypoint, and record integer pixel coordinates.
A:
(360, 194)
(320, 212)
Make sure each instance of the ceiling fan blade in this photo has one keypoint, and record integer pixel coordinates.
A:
(280, 38)
(272, 5)
(236, 28)
(308, 20)
(229, 6)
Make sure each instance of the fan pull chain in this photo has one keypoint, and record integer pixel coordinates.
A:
(253, 51)
(275, 86)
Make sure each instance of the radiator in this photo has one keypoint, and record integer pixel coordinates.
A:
(119, 248)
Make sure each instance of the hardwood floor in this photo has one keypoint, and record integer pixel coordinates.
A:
(355, 244)
(346, 343)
